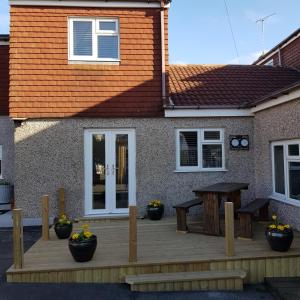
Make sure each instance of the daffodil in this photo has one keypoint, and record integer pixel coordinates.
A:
(85, 227)
(280, 227)
(274, 217)
(272, 226)
(87, 234)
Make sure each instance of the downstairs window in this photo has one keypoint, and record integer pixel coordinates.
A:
(200, 150)
(286, 171)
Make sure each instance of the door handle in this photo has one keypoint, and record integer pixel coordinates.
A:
(113, 169)
(107, 170)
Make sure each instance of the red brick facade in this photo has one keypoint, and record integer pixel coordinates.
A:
(4, 78)
(44, 84)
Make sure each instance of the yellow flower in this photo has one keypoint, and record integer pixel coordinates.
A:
(63, 217)
(280, 227)
(87, 234)
(85, 227)
(75, 236)
(274, 217)
(287, 226)
(272, 226)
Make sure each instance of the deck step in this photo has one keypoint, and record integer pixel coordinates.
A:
(187, 281)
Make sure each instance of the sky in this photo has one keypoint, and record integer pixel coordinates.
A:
(199, 31)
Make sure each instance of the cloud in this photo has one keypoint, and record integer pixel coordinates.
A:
(246, 59)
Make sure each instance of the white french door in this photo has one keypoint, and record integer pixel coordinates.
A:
(109, 171)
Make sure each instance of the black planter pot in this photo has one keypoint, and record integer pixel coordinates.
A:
(155, 213)
(279, 241)
(63, 231)
(83, 251)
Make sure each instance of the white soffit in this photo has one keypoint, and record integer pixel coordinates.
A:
(204, 113)
(280, 100)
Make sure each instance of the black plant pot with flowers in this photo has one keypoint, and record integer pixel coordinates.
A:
(63, 231)
(280, 241)
(279, 236)
(155, 210)
(83, 251)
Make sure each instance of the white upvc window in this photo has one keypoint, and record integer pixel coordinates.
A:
(1, 165)
(286, 171)
(200, 150)
(95, 39)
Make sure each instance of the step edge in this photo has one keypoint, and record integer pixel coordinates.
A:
(130, 279)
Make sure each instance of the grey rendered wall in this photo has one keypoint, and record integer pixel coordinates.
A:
(278, 123)
(49, 154)
(7, 142)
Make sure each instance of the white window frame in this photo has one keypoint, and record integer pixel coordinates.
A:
(96, 33)
(286, 159)
(1, 161)
(200, 143)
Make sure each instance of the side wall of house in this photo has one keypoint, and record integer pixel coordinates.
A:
(50, 154)
(274, 124)
(6, 125)
(290, 55)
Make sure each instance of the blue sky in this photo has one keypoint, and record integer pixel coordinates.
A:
(199, 31)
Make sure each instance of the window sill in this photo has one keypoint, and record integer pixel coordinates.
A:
(93, 62)
(200, 170)
(285, 200)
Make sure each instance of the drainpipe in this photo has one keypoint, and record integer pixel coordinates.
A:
(279, 57)
(163, 50)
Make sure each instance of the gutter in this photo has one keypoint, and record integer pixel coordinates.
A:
(163, 50)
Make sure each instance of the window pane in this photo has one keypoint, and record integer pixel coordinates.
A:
(82, 38)
(279, 170)
(294, 176)
(212, 135)
(108, 47)
(188, 148)
(122, 171)
(294, 150)
(111, 26)
(212, 156)
(99, 176)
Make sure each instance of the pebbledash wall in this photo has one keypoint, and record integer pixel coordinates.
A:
(50, 154)
(7, 143)
(274, 124)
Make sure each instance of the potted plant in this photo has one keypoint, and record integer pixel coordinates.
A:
(63, 227)
(155, 210)
(83, 244)
(280, 236)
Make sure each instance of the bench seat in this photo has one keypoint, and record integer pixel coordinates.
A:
(181, 211)
(247, 212)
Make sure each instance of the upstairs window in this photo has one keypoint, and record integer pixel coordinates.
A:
(94, 40)
(200, 150)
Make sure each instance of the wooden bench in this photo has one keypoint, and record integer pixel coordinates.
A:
(247, 212)
(181, 211)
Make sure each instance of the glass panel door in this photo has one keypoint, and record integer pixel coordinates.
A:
(109, 171)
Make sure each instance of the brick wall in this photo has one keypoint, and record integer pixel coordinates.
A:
(44, 84)
(290, 55)
(4, 78)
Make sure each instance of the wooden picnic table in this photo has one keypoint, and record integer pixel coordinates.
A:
(212, 196)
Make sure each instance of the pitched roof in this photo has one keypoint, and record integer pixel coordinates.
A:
(280, 45)
(225, 86)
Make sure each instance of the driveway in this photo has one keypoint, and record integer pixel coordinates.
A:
(95, 291)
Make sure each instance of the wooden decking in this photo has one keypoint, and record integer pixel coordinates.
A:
(160, 249)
